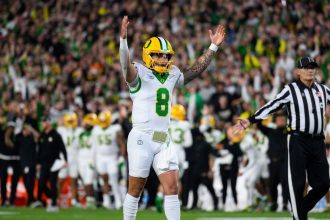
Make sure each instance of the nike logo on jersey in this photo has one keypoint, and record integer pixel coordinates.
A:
(151, 76)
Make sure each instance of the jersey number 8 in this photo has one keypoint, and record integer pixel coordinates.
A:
(163, 97)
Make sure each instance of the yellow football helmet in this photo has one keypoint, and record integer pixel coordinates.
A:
(178, 112)
(245, 115)
(158, 45)
(70, 120)
(90, 119)
(235, 137)
(208, 120)
(266, 121)
(104, 119)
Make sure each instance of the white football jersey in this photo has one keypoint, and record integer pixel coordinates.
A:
(85, 145)
(106, 140)
(70, 137)
(152, 98)
(262, 143)
(255, 148)
(214, 137)
(180, 132)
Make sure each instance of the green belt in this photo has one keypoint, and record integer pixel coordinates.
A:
(159, 137)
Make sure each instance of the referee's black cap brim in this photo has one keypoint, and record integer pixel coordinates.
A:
(306, 62)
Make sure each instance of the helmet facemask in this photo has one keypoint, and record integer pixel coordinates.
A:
(70, 120)
(161, 62)
(89, 121)
(104, 119)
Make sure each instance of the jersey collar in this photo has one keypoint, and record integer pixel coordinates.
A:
(302, 86)
(161, 77)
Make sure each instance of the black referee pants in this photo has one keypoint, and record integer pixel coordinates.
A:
(306, 155)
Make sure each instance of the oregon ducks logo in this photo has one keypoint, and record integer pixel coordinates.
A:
(147, 44)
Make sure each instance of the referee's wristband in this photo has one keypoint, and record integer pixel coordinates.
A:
(213, 47)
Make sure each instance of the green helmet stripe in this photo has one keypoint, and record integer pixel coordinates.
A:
(146, 46)
(160, 42)
(166, 41)
(164, 44)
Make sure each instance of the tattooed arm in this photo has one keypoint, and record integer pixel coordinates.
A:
(203, 61)
(198, 67)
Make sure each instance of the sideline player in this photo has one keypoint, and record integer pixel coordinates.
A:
(107, 148)
(86, 164)
(180, 133)
(70, 135)
(151, 87)
(207, 127)
(254, 146)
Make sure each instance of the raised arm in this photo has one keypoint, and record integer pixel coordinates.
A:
(203, 61)
(272, 106)
(129, 72)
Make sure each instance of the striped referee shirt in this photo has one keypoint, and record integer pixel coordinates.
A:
(305, 107)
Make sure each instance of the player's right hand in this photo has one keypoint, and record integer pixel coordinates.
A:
(123, 29)
(241, 125)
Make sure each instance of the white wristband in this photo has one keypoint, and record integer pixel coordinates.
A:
(213, 47)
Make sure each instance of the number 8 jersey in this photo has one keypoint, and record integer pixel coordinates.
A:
(152, 98)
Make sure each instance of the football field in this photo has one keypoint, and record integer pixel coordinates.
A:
(99, 214)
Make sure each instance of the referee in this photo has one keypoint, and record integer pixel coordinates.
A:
(305, 101)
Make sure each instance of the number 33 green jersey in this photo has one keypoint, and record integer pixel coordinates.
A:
(152, 98)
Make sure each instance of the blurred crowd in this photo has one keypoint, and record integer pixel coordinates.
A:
(61, 56)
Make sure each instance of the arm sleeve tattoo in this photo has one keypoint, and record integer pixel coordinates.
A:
(198, 67)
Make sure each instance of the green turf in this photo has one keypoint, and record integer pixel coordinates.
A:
(100, 214)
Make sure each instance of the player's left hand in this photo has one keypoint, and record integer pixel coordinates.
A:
(218, 36)
(123, 29)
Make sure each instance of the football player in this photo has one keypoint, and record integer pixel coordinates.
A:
(86, 164)
(255, 146)
(207, 127)
(107, 148)
(180, 133)
(70, 134)
(151, 86)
